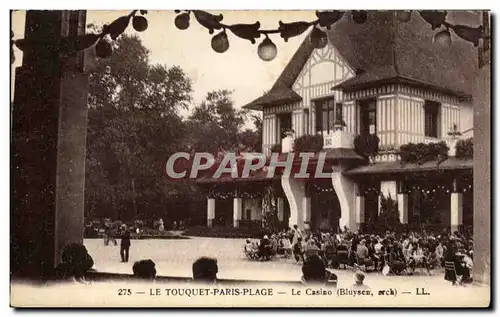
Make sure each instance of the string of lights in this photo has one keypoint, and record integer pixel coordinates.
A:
(422, 189)
(219, 193)
(267, 50)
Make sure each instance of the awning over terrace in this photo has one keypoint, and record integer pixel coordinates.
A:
(450, 164)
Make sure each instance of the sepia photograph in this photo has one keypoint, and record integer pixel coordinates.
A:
(250, 158)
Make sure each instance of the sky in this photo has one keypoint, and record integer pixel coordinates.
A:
(238, 69)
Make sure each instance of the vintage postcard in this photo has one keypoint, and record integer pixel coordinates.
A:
(191, 158)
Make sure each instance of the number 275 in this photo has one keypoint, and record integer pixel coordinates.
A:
(124, 291)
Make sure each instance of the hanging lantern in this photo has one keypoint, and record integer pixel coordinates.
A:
(220, 42)
(359, 16)
(140, 23)
(318, 38)
(403, 16)
(182, 21)
(103, 49)
(442, 38)
(267, 50)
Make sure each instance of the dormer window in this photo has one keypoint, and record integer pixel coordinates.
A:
(327, 113)
(432, 114)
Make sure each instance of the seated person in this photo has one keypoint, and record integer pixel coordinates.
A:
(75, 262)
(362, 252)
(330, 252)
(372, 255)
(463, 266)
(439, 253)
(205, 270)
(255, 247)
(287, 246)
(398, 262)
(265, 248)
(314, 272)
(248, 246)
(311, 249)
(417, 258)
(379, 247)
(359, 278)
(144, 269)
(298, 251)
(273, 242)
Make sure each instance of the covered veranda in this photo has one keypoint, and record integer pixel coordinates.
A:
(431, 196)
(240, 202)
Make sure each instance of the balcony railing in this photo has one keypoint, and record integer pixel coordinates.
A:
(338, 139)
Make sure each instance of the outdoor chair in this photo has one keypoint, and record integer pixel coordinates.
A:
(396, 267)
(343, 258)
(364, 264)
(251, 254)
(423, 264)
(450, 273)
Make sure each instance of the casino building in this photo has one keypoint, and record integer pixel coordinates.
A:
(393, 111)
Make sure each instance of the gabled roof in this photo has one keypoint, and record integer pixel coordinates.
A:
(385, 49)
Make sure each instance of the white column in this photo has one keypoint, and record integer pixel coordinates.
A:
(346, 193)
(403, 207)
(306, 207)
(294, 191)
(281, 209)
(297, 122)
(273, 133)
(237, 211)
(360, 211)
(210, 211)
(456, 211)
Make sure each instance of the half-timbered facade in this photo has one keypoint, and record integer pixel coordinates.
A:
(385, 78)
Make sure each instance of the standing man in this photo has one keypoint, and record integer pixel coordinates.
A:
(107, 233)
(125, 244)
(296, 234)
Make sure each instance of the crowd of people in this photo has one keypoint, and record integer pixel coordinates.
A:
(322, 252)
(76, 262)
(389, 252)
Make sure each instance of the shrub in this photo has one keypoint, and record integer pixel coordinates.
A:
(276, 148)
(420, 153)
(308, 143)
(225, 232)
(146, 234)
(465, 149)
(388, 218)
(159, 236)
(366, 145)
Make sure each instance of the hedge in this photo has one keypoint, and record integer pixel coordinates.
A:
(145, 236)
(465, 149)
(225, 232)
(308, 143)
(421, 152)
